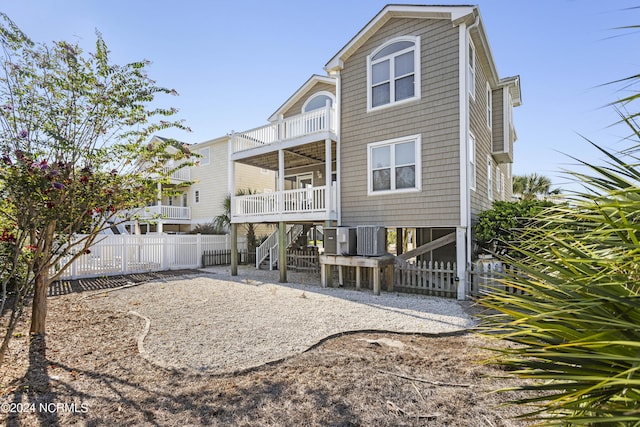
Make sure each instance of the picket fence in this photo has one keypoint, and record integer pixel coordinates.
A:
(113, 255)
(440, 279)
(426, 277)
(303, 260)
(487, 276)
(223, 257)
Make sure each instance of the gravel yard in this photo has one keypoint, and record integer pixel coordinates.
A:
(213, 327)
(215, 323)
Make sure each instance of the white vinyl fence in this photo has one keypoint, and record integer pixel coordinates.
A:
(125, 254)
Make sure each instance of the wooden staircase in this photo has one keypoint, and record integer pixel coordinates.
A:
(267, 252)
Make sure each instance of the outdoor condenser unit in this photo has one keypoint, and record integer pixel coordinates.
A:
(339, 241)
(330, 241)
(372, 240)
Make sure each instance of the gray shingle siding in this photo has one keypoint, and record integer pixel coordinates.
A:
(435, 117)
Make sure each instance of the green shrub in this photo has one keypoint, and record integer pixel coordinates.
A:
(500, 226)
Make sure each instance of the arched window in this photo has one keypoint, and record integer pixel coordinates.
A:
(317, 121)
(317, 101)
(393, 72)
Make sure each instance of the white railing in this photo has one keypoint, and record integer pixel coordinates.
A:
(304, 200)
(308, 123)
(269, 248)
(255, 137)
(321, 120)
(257, 204)
(182, 174)
(263, 251)
(125, 254)
(301, 201)
(163, 212)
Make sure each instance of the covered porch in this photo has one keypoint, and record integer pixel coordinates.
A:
(306, 187)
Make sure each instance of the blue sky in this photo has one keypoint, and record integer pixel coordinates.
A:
(235, 62)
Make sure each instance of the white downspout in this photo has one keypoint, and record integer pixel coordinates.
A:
(467, 121)
(338, 108)
(463, 232)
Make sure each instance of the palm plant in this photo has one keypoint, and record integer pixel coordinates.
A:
(223, 221)
(529, 187)
(577, 320)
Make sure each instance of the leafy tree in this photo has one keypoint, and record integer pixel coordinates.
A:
(73, 132)
(530, 187)
(499, 227)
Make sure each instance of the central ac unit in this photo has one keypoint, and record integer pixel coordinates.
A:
(372, 240)
(340, 241)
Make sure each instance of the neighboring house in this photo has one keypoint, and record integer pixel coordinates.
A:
(411, 129)
(198, 191)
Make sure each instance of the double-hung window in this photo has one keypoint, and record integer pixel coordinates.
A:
(489, 107)
(394, 165)
(393, 73)
(206, 156)
(489, 177)
(471, 74)
(472, 161)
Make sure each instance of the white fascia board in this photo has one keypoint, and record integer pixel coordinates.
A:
(453, 13)
(513, 85)
(220, 140)
(298, 94)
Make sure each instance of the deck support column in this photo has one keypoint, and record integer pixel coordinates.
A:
(327, 271)
(327, 174)
(282, 251)
(281, 181)
(399, 241)
(234, 249)
(461, 262)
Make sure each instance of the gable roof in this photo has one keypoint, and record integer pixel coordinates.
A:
(453, 13)
(301, 92)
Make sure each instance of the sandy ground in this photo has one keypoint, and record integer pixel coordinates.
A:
(88, 370)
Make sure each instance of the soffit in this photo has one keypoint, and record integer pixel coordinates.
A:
(295, 157)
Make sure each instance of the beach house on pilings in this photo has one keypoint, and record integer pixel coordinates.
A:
(411, 128)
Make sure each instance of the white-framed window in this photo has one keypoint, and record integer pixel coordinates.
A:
(393, 73)
(471, 74)
(317, 101)
(206, 156)
(502, 185)
(489, 177)
(472, 161)
(489, 107)
(394, 165)
(196, 196)
(317, 121)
